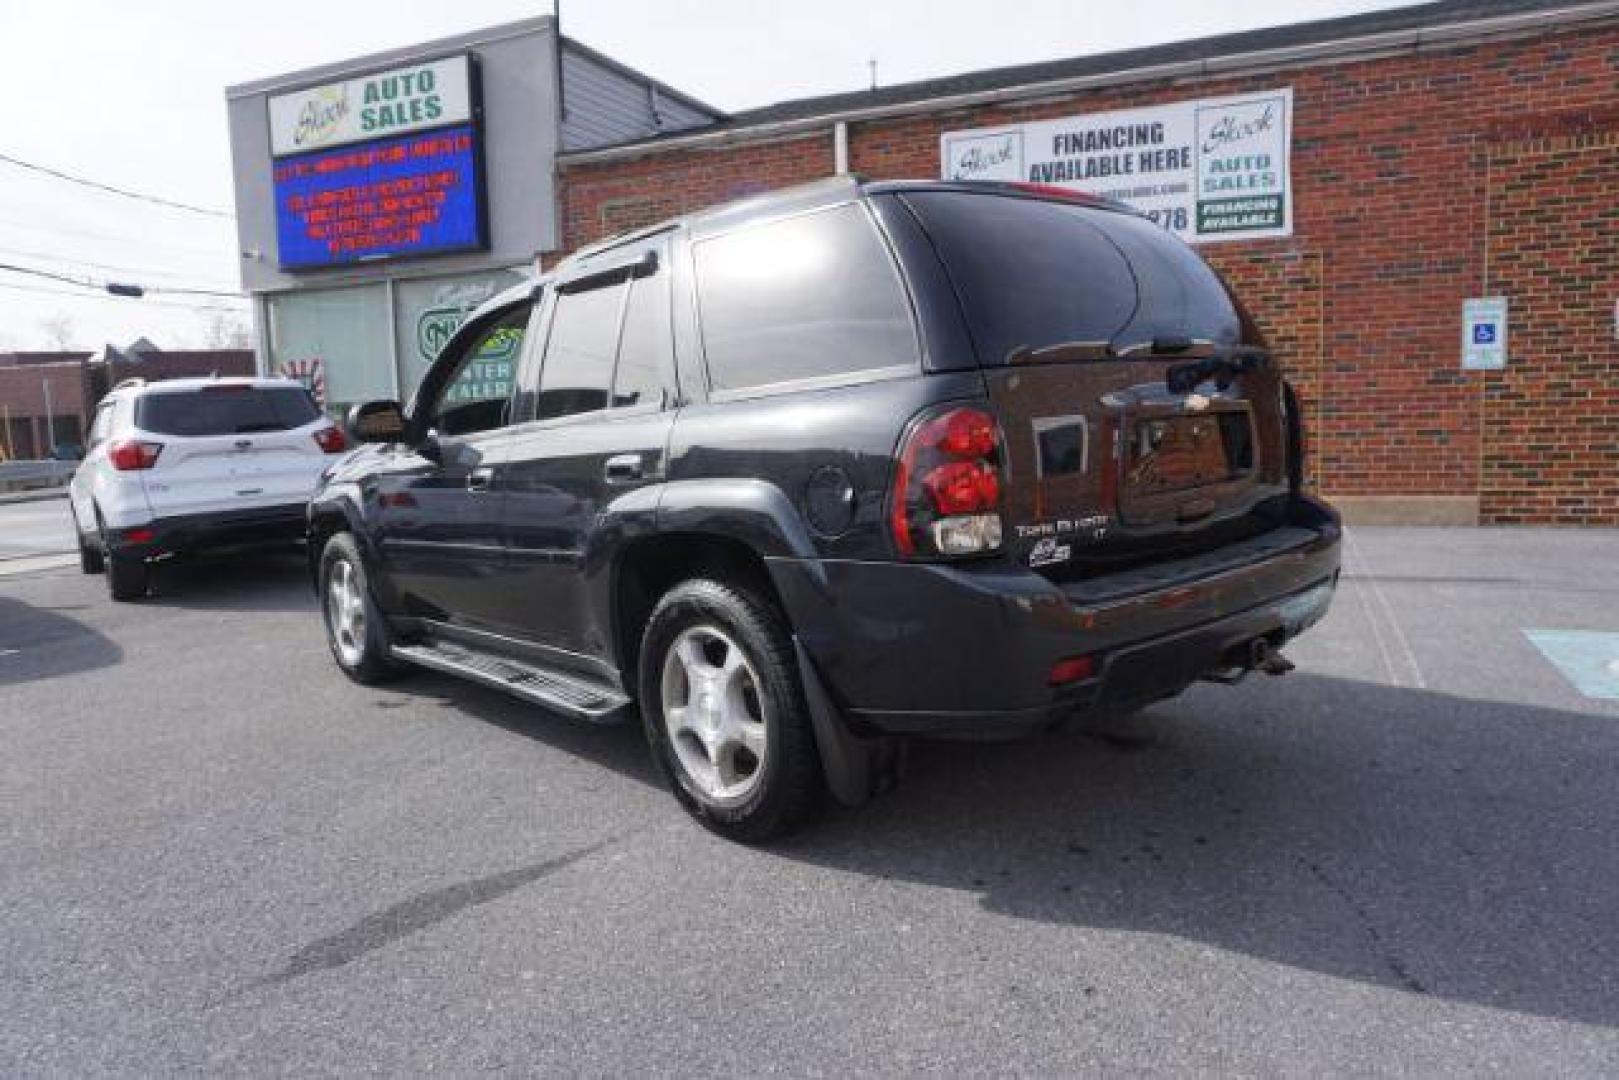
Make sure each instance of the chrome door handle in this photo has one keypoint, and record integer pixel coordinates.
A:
(478, 479)
(624, 469)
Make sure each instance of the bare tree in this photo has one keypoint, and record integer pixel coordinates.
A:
(226, 330)
(59, 330)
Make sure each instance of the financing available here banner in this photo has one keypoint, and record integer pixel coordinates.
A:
(1210, 169)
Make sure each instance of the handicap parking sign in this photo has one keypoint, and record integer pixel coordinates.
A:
(1484, 333)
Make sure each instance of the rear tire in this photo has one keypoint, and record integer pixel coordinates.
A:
(127, 578)
(91, 559)
(724, 711)
(356, 629)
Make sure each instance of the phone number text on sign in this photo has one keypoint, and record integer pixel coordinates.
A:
(1212, 169)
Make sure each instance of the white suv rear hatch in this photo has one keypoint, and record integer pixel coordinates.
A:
(230, 445)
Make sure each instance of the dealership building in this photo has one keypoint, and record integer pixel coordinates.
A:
(381, 199)
(1420, 206)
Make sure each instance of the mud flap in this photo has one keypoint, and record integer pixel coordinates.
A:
(856, 768)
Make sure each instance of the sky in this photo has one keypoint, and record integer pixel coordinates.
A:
(131, 94)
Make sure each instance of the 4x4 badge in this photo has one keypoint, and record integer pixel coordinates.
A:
(1048, 552)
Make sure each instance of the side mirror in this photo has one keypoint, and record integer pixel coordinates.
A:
(376, 422)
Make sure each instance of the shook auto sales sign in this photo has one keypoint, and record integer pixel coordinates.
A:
(392, 102)
(1213, 169)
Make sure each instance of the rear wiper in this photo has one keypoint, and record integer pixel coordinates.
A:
(243, 429)
(1061, 351)
(1166, 345)
(1223, 367)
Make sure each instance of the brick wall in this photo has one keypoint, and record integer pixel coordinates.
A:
(1550, 421)
(601, 201)
(22, 400)
(1395, 163)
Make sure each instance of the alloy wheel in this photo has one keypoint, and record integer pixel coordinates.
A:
(345, 612)
(713, 712)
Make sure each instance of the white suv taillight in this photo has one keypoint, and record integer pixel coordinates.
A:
(946, 499)
(331, 440)
(129, 455)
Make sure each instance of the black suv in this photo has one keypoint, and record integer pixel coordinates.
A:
(807, 475)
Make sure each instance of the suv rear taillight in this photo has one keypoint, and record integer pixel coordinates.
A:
(331, 440)
(128, 455)
(946, 500)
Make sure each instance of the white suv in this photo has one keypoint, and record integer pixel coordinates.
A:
(189, 464)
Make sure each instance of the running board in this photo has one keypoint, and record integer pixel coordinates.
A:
(565, 694)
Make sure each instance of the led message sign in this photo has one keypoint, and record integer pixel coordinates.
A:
(409, 195)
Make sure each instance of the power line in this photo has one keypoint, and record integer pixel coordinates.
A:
(81, 282)
(105, 235)
(125, 192)
(139, 271)
(88, 283)
(119, 299)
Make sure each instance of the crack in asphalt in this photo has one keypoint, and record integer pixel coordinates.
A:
(383, 928)
(1390, 958)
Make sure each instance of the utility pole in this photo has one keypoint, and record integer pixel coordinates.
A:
(50, 418)
(872, 63)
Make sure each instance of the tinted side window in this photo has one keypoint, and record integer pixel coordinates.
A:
(229, 409)
(643, 347)
(478, 395)
(579, 355)
(810, 296)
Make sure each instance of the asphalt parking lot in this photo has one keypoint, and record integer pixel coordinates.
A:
(218, 855)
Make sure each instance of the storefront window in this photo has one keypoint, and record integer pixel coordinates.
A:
(336, 341)
(426, 313)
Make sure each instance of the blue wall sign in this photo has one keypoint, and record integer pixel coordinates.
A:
(414, 194)
(1484, 333)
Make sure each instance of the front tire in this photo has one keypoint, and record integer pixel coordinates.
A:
(725, 713)
(356, 630)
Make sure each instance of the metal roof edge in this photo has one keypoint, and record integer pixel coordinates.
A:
(360, 65)
(579, 47)
(1342, 50)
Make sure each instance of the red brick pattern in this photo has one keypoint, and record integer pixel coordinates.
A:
(1393, 162)
(1551, 419)
(601, 201)
(23, 429)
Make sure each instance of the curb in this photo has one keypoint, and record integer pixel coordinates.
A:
(33, 496)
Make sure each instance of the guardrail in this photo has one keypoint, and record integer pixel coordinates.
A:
(30, 475)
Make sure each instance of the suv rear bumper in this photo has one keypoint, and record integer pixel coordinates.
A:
(249, 527)
(953, 650)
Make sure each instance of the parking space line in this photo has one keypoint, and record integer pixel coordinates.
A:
(1587, 658)
(1399, 660)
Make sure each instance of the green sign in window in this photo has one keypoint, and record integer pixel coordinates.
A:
(490, 371)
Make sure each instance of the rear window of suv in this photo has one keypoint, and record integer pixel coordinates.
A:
(1035, 273)
(807, 297)
(224, 410)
